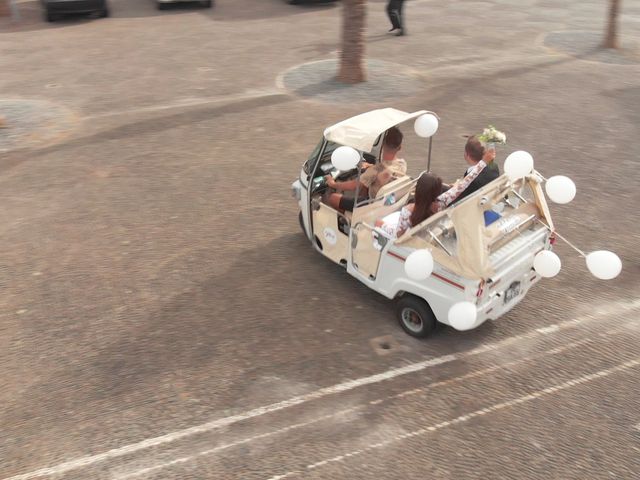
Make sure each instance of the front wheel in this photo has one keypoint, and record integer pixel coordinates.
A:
(301, 220)
(415, 316)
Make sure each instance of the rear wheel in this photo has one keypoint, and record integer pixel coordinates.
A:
(415, 316)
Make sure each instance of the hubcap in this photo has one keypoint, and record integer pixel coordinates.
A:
(412, 319)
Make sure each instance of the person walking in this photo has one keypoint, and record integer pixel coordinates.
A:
(394, 11)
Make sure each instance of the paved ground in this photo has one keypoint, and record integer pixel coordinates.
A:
(163, 317)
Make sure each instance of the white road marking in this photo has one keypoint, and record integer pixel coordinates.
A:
(234, 444)
(546, 330)
(356, 408)
(226, 421)
(89, 460)
(484, 411)
(187, 103)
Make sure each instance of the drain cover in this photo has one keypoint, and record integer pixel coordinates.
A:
(386, 345)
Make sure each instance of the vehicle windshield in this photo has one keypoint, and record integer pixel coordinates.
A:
(326, 156)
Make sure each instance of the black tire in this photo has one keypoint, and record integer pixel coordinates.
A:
(301, 220)
(104, 13)
(415, 316)
(162, 6)
(207, 4)
(48, 16)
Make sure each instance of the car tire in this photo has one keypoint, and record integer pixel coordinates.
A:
(162, 6)
(104, 13)
(301, 220)
(48, 16)
(207, 4)
(415, 316)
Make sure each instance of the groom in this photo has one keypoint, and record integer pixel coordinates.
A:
(474, 151)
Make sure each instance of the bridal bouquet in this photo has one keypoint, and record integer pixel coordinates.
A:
(491, 135)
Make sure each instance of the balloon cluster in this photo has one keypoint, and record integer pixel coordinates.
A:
(560, 189)
(602, 264)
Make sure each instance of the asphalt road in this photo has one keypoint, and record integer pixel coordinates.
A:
(162, 316)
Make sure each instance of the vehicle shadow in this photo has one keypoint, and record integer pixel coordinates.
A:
(247, 320)
(238, 318)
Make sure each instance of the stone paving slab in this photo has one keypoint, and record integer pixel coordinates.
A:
(317, 81)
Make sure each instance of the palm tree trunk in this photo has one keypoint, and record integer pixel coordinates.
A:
(611, 38)
(352, 69)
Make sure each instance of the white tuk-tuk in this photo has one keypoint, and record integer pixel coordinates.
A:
(479, 260)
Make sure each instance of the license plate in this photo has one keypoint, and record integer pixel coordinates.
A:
(512, 292)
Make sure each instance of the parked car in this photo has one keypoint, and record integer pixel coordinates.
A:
(162, 4)
(298, 2)
(56, 8)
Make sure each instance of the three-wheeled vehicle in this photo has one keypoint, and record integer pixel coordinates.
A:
(479, 259)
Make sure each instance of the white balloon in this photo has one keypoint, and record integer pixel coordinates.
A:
(426, 125)
(463, 316)
(547, 264)
(345, 158)
(603, 264)
(419, 265)
(560, 189)
(518, 164)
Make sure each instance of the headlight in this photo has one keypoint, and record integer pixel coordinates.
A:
(295, 190)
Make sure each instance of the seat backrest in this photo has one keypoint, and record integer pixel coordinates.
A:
(377, 209)
(394, 185)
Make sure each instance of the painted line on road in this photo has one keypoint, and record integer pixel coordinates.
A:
(465, 418)
(340, 413)
(188, 103)
(89, 460)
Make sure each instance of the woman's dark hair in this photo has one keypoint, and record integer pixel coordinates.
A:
(393, 138)
(474, 148)
(428, 188)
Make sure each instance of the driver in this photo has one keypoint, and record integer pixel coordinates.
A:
(374, 176)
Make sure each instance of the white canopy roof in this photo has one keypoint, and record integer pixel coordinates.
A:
(361, 131)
